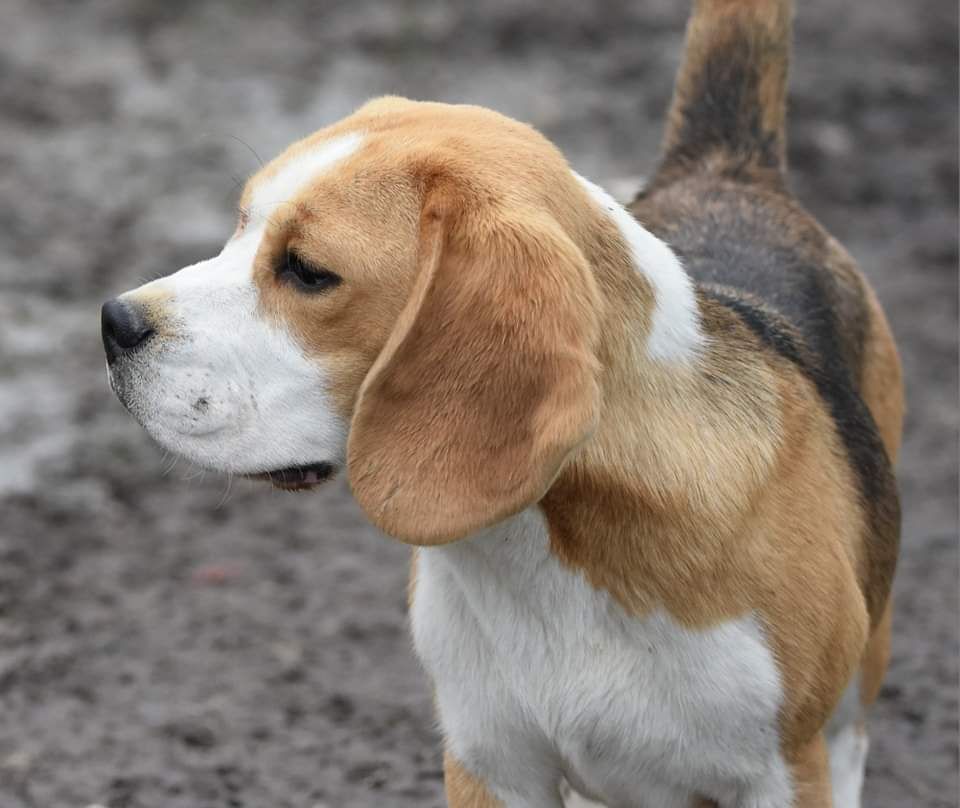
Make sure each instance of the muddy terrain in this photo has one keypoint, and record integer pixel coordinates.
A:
(169, 640)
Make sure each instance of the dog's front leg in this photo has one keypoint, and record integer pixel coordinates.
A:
(465, 790)
(807, 785)
(811, 776)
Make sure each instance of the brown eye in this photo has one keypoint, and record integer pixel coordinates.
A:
(305, 277)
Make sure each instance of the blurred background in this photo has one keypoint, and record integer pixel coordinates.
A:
(169, 642)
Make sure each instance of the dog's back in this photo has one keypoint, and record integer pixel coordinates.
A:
(720, 199)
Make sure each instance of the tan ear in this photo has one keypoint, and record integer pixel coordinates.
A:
(487, 382)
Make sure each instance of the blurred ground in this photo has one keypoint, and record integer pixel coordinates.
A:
(165, 642)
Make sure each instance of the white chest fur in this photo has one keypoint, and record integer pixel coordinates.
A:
(539, 676)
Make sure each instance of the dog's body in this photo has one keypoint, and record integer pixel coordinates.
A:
(648, 465)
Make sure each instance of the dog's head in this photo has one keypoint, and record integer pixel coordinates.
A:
(403, 296)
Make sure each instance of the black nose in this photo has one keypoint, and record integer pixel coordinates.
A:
(123, 327)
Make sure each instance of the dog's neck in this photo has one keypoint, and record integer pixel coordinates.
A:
(689, 416)
(689, 427)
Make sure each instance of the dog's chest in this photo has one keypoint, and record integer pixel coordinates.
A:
(536, 671)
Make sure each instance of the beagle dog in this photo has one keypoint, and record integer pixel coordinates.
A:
(644, 453)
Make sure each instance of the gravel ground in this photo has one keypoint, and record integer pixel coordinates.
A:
(170, 641)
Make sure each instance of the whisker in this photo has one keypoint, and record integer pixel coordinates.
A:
(171, 461)
(194, 473)
(250, 148)
(239, 140)
(237, 184)
(226, 493)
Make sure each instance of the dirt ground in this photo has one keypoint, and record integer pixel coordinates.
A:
(167, 641)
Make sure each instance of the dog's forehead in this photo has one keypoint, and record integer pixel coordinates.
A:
(427, 134)
(285, 177)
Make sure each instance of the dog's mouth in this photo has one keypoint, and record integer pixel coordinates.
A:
(297, 478)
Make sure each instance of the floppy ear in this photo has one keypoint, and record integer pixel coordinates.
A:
(487, 382)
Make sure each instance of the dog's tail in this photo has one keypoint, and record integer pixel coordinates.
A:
(729, 104)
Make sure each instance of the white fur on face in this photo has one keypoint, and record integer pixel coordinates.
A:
(221, 384)
(675, 331)
(291, 176)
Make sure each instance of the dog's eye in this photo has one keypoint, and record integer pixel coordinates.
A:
(305, 277)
